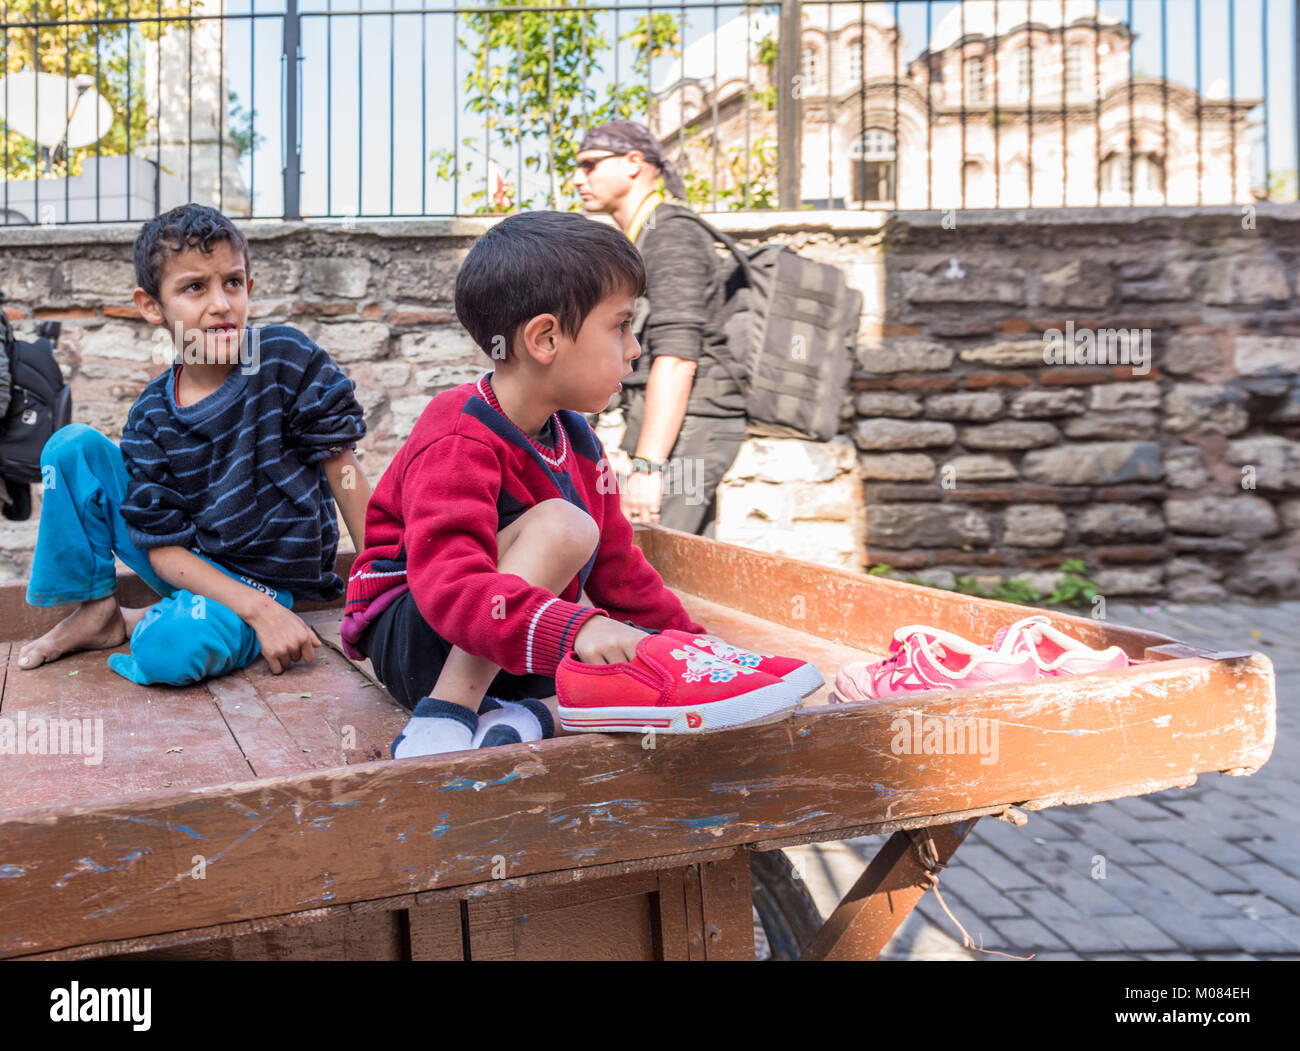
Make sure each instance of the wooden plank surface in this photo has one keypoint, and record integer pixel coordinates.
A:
(159, 739)
(86, 874)
(245, 725)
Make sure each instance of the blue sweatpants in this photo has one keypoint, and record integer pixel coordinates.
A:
(183, 639)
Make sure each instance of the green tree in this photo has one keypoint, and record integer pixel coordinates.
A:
(49, 40)
(531, 80)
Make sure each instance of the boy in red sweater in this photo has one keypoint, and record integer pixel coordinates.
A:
(500, 514)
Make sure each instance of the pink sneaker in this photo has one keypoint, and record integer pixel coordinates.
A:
(1053, 652)
(800, 674)
(670, 686)
(922, 659)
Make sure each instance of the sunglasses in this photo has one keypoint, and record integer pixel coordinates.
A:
(588, 166)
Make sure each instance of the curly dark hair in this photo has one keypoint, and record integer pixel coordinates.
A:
(189, 226)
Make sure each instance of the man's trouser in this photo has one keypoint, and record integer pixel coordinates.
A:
(706, 447)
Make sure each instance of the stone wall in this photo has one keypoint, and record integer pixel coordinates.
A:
(979, 457)
(986, 454)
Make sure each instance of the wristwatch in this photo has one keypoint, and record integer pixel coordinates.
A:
(640, 465)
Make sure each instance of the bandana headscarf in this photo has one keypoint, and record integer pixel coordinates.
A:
(624, 136)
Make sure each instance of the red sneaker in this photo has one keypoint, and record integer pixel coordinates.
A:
(800, 674)
(671, 687)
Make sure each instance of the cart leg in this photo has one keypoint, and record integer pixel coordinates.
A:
(886, 893)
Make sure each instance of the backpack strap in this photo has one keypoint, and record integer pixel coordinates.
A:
(751, 279)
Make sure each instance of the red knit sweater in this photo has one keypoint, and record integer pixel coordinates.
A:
(466, 473)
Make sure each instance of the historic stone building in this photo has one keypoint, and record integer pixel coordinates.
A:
(1038, 109)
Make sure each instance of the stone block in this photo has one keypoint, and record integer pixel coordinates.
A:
(1006, 354)
(1109, 397)
(978, 469)
(1186, 355)
(421, 280)
(1037, 404)
(128, 341)
(1096, 463)
(791, 460)
(349, 342)
(1033, 525)
(1010, 434)
(1239, 517)
(965, 285)
(346, 277)
(886, 403)
(406, 412)
(1270, 570)
(905, 355)
(1249, 281)
(443, 344)
(1130, 580)
(391, 374)
(1136, 425)
(1253, 354)
(977, 405)
(1205, 408)
(926, 525)
(1085, 284)
(896, 467)
(1105, 522)
(1185, 467)
(22, 281)
(1275, 460)
(1177, 282)
(97, 280)
(900, 434)
(276, 277)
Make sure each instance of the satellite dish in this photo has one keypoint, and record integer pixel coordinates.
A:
(54, 111)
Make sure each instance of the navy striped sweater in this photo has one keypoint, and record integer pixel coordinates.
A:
(237, 475)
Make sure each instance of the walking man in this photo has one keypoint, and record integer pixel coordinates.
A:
(685, 414)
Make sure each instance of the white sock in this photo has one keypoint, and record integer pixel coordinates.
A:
(436, 727)
(512, 722)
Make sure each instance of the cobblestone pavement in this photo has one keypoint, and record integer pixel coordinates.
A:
(1210, 872)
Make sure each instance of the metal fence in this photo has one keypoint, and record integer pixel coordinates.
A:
(330, 108)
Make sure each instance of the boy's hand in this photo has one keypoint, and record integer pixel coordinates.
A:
(605, 641)
(284, 636)
(642, 495)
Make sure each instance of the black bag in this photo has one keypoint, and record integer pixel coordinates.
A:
(40, 402)
(791, 326)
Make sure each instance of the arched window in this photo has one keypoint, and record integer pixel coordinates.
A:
(1074, 69)
(875, 161)
(1133, 175)
(854, 56)
(810, 66)
(975, 79)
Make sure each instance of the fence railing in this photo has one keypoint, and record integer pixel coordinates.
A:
(118, 109)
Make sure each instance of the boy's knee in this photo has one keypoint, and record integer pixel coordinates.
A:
(569, 530)
(73, 440)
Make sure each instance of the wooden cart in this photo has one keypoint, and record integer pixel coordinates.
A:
(258, 817)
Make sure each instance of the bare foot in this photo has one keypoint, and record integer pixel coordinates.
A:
(131, 616)
(94, 625)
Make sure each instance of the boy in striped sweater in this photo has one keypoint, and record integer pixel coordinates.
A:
(222, 495)
(500, 515)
